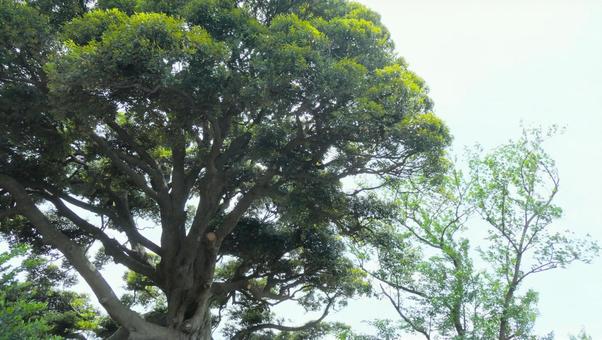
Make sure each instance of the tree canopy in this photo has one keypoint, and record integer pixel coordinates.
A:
(202, 143)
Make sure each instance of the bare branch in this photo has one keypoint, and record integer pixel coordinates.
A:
(403, 316)
(395, 285)
(128, 226)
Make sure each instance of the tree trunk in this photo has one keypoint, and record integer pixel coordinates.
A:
(503, 334)
(203, 333)
(504, 324)
(188, 291)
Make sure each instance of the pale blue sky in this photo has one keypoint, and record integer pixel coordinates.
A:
(491, 65)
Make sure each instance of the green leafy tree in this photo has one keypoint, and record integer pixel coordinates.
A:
(424, 268)
(514, 191)
(228, 125)
(34, 307)
(425, 264)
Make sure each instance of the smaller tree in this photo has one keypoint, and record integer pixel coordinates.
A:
(425, 265)
(514, 189)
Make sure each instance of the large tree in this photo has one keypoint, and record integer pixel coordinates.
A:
(228, 125)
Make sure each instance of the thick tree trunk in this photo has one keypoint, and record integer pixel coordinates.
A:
(203, 333)
(190, 314)
(188, 283)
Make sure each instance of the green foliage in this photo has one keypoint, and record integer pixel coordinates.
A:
(19, 318)
(142, 291)
(306, 257)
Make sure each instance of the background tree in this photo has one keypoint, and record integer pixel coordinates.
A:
(423, 265)
(228, 125)
(514, 191)
(32, 303)
(426, 267)
(19, 317)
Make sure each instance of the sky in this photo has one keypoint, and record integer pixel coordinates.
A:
(491, 65)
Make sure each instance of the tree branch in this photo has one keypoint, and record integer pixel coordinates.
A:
(127, 226)
(404, 317)
(112, 247)
(242, 333)
(397, 286)
(136, 177)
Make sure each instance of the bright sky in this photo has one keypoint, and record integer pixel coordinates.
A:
(491, 65)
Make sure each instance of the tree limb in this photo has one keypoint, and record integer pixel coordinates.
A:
(404, 317)
(128, 227)
(136, 177)
(112, 247)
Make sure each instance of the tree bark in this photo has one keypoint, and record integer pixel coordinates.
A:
(504, 324)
